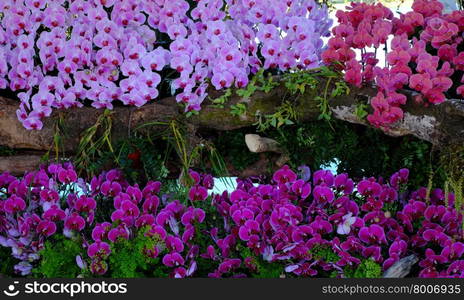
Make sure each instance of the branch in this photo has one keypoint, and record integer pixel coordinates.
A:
(439, 124)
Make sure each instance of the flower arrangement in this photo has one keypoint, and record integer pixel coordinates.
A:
(423, 53)
(58, 54)
(294, 225)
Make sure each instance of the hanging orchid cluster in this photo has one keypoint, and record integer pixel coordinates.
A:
(309, 225)
(58, 54)
(423, 54)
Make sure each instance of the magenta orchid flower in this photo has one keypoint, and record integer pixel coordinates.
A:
(173, 259)
(14, 204)
(374, 234)
(284, 175)
(74, 222)
(54, 214)
(100, 249)
(323, 194)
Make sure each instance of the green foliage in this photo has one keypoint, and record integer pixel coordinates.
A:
(299, 82)
(247, 92)
(7, 262)
(221, 100)
(128, 259)
(161, 271)
(285, 114)
(60, 134)
(457, 186)
(192, 154)
(58, 258)
(261, 81)
(269, 270)
(192, 113)
(151, 154)
(267, 84)
(391, 208)
(6, 151)
(324, 253)
(453, 163)
(324, 107)
(341, 88)
(368, 268)
(258, 82)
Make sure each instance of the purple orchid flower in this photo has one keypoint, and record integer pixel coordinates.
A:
(305, 173)
(369, 188)
(54, 214)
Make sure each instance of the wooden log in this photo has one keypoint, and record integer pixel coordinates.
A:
(438, 124)
(258, 144)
